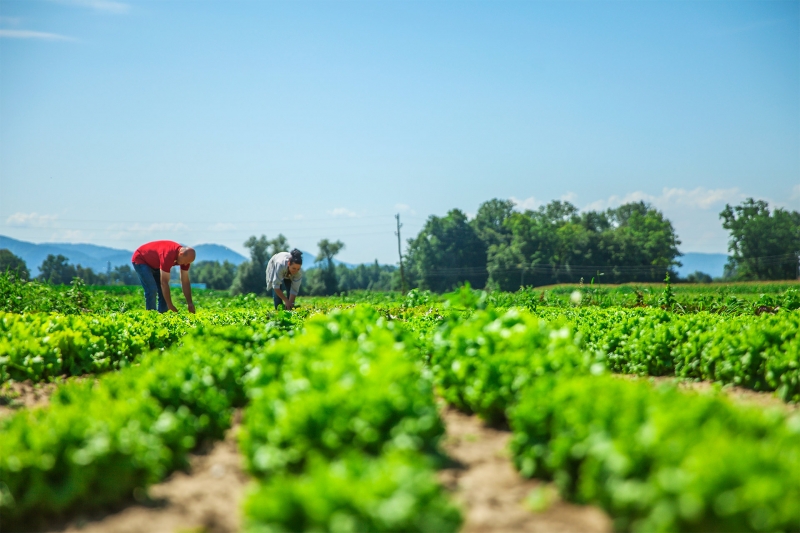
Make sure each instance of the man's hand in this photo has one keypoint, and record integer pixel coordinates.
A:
(191, 308)
(172, 308)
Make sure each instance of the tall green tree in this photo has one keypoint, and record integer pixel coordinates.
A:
(489, 221)
(372, 277)
(56, 270)
(278, 244)
(251, 276)
(123, 275)
(327, 251)
(763, 245)
(14, 265)
(556, 243)
(643, 243)
(446, 253)
(214, 274)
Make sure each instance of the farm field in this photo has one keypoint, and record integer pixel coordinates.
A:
(634, 408)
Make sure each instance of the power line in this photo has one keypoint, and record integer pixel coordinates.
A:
(584, 270)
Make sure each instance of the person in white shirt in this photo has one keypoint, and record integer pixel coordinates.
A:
(284, 274)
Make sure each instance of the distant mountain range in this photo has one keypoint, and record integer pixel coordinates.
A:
(98, 258)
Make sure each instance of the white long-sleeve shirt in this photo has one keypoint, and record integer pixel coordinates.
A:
(278, 270)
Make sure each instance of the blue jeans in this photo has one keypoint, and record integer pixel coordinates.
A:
(277, 299)
(151, 281)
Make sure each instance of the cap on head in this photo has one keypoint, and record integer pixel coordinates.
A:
(296, 257)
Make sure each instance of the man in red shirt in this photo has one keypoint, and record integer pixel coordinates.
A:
(153, 261)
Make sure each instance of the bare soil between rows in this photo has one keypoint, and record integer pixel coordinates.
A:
(492, 494)
(482, 480)
(204, 499)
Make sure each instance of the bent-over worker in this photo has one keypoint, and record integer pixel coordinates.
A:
(153, 261)
(284, 274)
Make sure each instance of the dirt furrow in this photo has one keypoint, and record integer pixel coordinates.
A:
(492, 493)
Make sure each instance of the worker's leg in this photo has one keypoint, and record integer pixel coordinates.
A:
(151, 288)
(162, 303)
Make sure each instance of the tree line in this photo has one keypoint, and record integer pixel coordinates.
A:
(503, 249)
(57, 270)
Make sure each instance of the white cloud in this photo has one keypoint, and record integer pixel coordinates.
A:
(796, 192)
(30, 220)
(694, 213)
(27, 34)
(109, 6)
(342, 212)
(527, 203)
(699, 198)
(569, 197)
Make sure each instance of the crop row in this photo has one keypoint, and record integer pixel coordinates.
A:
(341, 430)
(660, 459)
(40, 346)
(656, 460)
(757, 352)
(98, 440)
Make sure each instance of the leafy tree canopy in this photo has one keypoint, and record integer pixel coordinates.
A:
(214, 274)
(447, 252)
(763, 245)
(14, 265)
(55, 269)
(251, 275)
(327, 251)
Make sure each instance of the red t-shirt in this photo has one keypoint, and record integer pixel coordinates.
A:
(158, 254)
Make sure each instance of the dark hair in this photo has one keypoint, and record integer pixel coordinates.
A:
(297, 257)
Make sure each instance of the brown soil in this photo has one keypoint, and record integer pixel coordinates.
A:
(493, 494)
(206, 499)
(18, 394)
(738, 395)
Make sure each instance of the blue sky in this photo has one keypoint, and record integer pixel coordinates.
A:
(124, 122)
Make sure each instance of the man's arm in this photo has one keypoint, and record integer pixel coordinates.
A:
(165, 291)
(186, 285)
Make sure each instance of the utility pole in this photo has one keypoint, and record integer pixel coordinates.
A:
(400, 253)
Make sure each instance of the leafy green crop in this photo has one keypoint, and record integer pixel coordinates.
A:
(341, 430)
(658, 459)
(395, 492)
(481, 363)
(98, 441)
